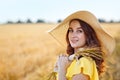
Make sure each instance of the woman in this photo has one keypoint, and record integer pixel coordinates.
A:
(87, 44)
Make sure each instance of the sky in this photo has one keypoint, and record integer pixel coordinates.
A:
(53, 10)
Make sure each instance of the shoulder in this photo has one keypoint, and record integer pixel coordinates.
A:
(86, 62)
(86, 59)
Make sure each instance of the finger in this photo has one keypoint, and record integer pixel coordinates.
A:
(60, 55)
(64, 55)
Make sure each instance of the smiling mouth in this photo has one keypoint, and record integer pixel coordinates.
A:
(74, 41)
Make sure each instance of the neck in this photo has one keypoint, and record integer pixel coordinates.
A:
(75, 50)
(78, 48)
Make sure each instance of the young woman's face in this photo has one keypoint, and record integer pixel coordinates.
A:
(76, 35)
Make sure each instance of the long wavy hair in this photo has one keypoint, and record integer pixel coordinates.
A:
(91, 41)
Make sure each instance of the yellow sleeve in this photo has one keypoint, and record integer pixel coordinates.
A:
(86, 64)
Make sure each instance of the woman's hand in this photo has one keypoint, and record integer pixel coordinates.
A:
(80, 77)
(62, 65)
(63, 62)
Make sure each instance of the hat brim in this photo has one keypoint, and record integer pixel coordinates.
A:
(59, 32)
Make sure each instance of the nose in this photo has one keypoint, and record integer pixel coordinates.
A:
(73, 34)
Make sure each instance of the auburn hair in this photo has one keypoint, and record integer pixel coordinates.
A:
(91, 41)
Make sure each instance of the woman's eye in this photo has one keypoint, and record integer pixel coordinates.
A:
(79, 31)
(70, 30)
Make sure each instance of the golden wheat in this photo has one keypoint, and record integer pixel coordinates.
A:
(28, 52)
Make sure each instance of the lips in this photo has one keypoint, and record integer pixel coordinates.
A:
(74, 41)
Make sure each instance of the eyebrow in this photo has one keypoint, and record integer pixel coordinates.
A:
(77, 28)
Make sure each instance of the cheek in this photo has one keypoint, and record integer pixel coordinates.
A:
(82, 38)
(69, 36)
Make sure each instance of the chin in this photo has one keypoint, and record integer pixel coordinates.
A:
(75, 46)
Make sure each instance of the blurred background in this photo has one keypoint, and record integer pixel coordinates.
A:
(28, 52)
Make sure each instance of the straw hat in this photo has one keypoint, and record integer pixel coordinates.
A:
(59, 32)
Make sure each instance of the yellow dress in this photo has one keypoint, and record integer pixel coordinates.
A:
(88, 65)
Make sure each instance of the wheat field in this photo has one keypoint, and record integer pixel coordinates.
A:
(28, 52)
